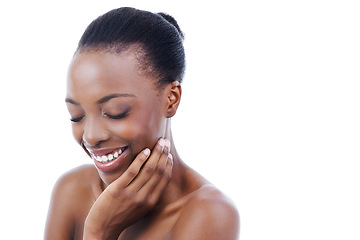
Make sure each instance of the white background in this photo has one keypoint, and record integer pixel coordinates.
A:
(270, 110)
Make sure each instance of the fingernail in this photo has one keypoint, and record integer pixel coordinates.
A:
(167, 143)
(161, 142)
(147, 152)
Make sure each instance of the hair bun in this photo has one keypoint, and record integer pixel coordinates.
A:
(173, 22)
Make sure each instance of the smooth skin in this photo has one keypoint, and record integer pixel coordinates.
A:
(152, 193)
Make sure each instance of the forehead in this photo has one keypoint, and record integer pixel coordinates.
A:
(99, 73)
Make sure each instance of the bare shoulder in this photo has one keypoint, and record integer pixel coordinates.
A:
(80, 176)
(71, 196)
(77, 183)
(208, 214)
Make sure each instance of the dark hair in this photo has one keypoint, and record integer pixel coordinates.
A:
(157, 39)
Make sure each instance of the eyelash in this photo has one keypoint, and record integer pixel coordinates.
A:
(76, 119)
(122, 115)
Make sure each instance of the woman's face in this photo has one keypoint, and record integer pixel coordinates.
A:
(115, 110)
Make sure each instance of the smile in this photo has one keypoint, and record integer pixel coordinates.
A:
(107, 160)
(108, 157)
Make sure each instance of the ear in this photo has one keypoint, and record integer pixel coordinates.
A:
(173, 98)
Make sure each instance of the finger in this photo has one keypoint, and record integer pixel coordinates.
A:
(161, 185)
(158, 174)
(149, 167)
(134, 169)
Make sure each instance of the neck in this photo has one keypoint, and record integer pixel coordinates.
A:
(174, 187)
(181, 182)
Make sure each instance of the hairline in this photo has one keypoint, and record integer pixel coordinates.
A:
(137, 49)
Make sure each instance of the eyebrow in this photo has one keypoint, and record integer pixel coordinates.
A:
(103, 99)
(68, 100)
(114, 95)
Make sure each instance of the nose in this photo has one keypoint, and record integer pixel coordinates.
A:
(94, 132)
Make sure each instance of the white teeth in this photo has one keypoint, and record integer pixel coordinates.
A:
(110, 157)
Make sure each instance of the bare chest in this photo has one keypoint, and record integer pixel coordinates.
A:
(159, 227)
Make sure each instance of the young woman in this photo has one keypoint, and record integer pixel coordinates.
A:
(124, 85)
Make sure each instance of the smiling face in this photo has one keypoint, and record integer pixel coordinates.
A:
(115, 108)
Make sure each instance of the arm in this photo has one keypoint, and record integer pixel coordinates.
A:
(71, 200)
(60, 222)
(210, 217)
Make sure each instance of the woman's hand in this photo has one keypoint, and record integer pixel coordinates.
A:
(130, 197)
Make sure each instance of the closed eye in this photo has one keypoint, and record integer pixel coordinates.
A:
(76, 119)
(122, 115)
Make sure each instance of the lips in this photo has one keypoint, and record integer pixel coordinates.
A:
(108, 159)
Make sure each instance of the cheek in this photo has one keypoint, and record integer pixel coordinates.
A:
(141, 131)
(139, 134)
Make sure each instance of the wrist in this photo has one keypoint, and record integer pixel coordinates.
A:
(92, 234)
(99, 233)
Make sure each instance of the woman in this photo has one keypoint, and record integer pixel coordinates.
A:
(124, 85)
